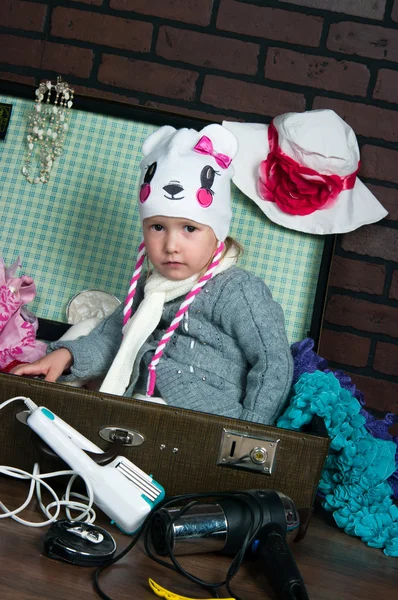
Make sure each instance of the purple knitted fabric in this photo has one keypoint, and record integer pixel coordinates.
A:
(305, 359)
(308, 361)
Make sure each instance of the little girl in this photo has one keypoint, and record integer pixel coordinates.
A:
(198, 332)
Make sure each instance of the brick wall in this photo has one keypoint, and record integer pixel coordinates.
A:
(251, 60)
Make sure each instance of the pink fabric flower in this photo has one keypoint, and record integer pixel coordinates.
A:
(17, 335)
(296, 189)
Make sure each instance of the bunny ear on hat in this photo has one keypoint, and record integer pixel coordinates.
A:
(318, 147)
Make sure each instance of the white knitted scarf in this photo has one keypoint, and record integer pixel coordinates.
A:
(158, 290)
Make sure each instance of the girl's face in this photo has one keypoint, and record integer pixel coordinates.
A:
(178, 248)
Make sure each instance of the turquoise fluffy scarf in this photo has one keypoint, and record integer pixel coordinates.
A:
(354, 483)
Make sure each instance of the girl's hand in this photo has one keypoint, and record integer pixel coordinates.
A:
(51, 366)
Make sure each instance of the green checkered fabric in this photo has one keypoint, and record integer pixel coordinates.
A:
(81, 230)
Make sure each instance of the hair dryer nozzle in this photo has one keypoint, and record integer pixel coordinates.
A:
(202, 528)
(222, 526)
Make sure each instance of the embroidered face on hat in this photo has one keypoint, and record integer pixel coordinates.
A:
(187, 174)
(301, 170)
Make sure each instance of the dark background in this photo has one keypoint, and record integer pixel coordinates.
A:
(251, 60)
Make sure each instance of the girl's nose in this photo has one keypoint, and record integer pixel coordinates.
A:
(172, 244)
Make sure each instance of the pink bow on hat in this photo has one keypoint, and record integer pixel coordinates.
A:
(205, 146)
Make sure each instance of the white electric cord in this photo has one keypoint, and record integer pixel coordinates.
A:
(28, 402)
(85, 509)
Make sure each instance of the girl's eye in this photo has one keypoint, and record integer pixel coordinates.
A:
(157, 227)
(190, 228)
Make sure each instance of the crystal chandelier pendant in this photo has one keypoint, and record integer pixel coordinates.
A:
(47, 128)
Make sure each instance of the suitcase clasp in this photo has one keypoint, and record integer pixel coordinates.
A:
(129, 437)
(254, 453)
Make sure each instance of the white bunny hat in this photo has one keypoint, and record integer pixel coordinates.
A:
(187, 174)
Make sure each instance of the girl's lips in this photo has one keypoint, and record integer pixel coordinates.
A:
(173, 264)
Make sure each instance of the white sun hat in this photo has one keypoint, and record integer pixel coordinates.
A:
(301, 170)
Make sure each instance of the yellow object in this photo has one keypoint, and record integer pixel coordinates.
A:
(163, 593)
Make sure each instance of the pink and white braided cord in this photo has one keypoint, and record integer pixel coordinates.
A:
(189, 298)
(133, 283)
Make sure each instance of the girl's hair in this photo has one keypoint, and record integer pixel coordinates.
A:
(231, 243)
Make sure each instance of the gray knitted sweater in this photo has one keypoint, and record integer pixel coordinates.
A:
(230, 355)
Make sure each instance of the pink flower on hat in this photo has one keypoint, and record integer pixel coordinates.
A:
(296, 189)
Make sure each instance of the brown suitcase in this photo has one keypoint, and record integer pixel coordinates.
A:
(185, 451)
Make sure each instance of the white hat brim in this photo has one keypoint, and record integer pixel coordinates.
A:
(352, 209)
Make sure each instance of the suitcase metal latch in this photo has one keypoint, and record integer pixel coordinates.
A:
(128, 436)
(241, 450)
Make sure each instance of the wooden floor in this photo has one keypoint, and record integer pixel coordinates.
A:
(334, 565)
